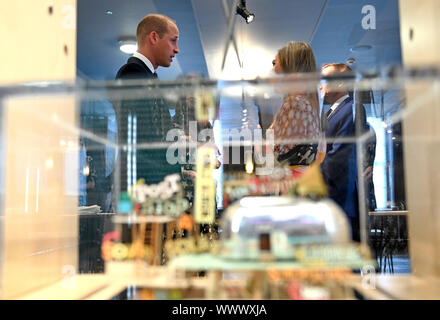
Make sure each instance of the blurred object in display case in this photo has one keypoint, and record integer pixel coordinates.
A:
(277, 224)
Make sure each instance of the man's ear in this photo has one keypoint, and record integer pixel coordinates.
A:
(153, 37)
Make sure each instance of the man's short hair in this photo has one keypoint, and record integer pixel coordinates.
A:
(339, 67)
(150, 23)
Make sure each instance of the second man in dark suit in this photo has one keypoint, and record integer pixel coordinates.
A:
(339, 166)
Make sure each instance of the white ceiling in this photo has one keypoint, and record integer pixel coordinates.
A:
(275, 24)
(341, 29)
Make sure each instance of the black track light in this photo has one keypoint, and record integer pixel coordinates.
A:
(242, 11)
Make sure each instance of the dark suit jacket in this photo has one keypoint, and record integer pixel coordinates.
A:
(153, 120)
(135, 69)
(339, 166)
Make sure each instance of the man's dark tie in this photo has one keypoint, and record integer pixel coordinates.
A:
(328, 113)
(155, 75)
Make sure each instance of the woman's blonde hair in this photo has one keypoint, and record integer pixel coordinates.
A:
(297, 57)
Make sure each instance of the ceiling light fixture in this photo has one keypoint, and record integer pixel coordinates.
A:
(128, 45)
(361, 48)
(242, 11)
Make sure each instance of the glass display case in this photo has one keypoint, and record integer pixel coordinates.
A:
(141, 184)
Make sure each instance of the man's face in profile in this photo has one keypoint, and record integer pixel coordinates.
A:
(167, 46)
(330, 94)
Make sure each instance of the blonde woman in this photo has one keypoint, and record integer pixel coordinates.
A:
(298, 116)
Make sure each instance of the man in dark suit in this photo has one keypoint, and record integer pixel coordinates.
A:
(339, 167)
(146, 120)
